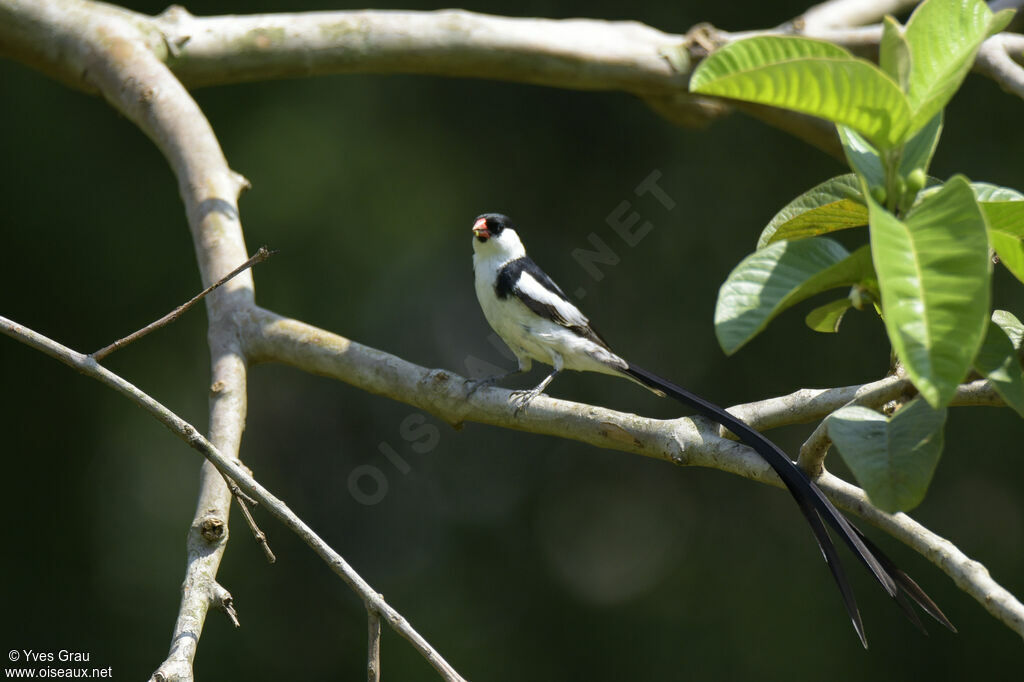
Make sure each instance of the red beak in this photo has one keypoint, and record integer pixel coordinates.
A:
(480, 230)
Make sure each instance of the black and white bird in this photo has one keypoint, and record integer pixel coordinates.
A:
(538, 322)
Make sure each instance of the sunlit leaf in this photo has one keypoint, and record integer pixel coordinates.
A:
(987, 192)
(933, 272)
(1009, 323)
(894, 53)
(1003, 209)
(827, 318)
(810, 76)
(944, 37)
(835, 204)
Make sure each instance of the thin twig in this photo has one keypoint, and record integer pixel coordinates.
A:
(261, 255)
(372, 645)
(234, 470)
(244, 501)
(226, 603)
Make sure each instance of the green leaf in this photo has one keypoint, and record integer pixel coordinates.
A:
(810, 76)
(835, 204)
(997, 361)
(1005, 216)
(933, 272)
(1002, 208)
(919, 149)
(864, 159)
(770, 280)
(987, 192)
(894, 53)
(827, 318)
(893, 459)
(1010, 251)
(1005, 220)
(944, 37)
(1009, 323)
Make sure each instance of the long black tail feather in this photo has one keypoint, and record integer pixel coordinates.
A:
(815, 508)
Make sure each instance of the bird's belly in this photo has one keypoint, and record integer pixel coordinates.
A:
(534, 338)
(555, 345)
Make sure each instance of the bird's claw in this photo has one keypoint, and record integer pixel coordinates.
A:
(521, 399)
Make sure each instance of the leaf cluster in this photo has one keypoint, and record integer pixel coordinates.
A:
(926, 268)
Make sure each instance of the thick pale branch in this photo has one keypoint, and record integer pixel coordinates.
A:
(693, 442)
(233, 469)
(569, 53)
(969, 575)
(846, 13)
(994, 61)
(119, 54)
(577, 53)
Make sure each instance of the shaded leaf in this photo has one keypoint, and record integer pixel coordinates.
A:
(997, 361)
(770, 280)
(933, 272)
(892, 458)
(864, 159)
(919, 149)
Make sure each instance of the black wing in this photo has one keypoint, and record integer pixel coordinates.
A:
(523, 279)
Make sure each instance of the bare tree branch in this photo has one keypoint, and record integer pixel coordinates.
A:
(995, 62)
(118, 53)
(969, 575)
(580, 54)
(847, 13)
(684, 441)
(231, 468)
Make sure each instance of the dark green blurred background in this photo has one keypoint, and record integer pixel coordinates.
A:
(517, 556)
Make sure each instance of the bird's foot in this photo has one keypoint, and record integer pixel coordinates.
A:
(523, 398)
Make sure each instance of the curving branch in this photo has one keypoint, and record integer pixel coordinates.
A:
(995, 61)
(845, 13)
(108, 50)
(684, 441)
(581, 54)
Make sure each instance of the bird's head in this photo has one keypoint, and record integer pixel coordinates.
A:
(494, 234)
